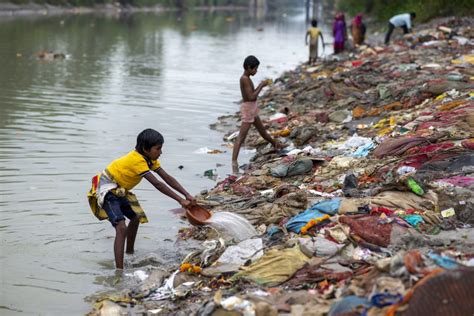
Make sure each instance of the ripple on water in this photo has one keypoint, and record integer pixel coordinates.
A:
(11, 308)
(45, 288)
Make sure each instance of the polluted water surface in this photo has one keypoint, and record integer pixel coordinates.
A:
(232, 225)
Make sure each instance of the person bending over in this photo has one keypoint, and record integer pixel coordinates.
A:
(110, 197)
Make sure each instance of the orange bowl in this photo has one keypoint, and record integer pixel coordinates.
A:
(197, 215)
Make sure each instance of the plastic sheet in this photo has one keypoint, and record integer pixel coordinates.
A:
(318, 210)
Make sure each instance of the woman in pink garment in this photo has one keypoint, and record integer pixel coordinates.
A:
(358, 30)
(339, 33)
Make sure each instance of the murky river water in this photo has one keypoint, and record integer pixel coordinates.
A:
(62, 121)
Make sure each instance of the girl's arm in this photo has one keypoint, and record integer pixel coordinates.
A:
(163, 188)
(172, 182)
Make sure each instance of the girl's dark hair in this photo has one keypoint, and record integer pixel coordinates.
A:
(251, 62)
(314, 23)
(147, 139)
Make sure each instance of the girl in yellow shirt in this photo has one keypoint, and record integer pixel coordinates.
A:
(110, 197)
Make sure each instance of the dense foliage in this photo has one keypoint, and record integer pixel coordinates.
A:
(425, 9)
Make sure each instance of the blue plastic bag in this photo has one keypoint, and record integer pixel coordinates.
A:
(363, 151)
(413, 220)
(444, 261)
(329, 207)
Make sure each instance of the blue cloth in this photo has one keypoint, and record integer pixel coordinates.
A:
(443, 261)
(348, 304)
(413, 220)
(363, 151)
(318, 210)
(273, 230)
(385, 299)
(330, 207)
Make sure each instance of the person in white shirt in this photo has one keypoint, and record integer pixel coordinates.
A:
(401, 20)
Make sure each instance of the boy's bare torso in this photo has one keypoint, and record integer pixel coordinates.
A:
(246, 88)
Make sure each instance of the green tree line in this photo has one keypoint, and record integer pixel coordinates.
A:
(165, 3)
(425, 9)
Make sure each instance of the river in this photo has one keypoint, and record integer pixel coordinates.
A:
(62, 121)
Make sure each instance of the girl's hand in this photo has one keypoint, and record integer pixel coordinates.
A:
(185, 203)
(191, 199)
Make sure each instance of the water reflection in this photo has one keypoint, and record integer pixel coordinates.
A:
(61, 121)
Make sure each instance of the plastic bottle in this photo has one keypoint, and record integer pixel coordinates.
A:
(415, 187)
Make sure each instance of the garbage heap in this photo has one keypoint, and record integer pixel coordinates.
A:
(367, 211)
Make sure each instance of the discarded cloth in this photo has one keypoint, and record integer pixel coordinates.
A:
(329, 207)
(413, 220)
(397, 200)
(315, 272)
(348, 304)
(430, 148)
(460, 181)
(369, 229)
(275, 267)
(340, 116)
(448, 164)
(341, 162)
(398, 146)
(364, 150)
(353, 142)
(300, 166)
(443, 261)
(318, 210)
(287, 206)
(318, 246)
(250, 249)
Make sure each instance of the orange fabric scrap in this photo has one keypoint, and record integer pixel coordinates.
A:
(313, 222)
(358, 112)
(188, 267)
(375, 112)
(451, 105)
(392, 106)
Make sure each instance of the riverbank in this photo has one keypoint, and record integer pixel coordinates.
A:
(369, 209)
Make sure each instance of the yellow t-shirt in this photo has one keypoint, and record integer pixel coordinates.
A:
(128, 170)
(313, 35)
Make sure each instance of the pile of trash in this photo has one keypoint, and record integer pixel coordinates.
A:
(369, 210)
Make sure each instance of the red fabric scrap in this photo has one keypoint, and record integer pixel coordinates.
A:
(468, 143)
(380, 210)
(430, 148)
(369, 229)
